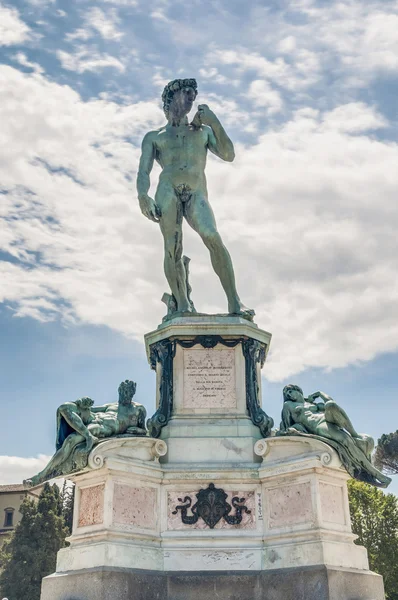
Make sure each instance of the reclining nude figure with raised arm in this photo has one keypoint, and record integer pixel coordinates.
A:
(181, 148)
(321, 417)
(81, 425)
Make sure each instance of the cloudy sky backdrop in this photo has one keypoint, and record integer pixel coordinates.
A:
(306, 89)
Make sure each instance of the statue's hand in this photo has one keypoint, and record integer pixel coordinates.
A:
(149, 209)
(207, 116)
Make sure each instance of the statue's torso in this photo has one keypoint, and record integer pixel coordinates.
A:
(181, 152)
(128, 415)
(307, 415)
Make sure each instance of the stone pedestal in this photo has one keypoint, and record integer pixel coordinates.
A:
(293, 540)
(209, 388)
(207, 506)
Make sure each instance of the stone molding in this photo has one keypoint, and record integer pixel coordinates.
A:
(140, 448)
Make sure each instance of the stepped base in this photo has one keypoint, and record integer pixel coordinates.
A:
(304, 583)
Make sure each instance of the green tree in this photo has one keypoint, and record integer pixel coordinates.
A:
(68, 501)
(374, 517)
(31, 553)
(386, 455)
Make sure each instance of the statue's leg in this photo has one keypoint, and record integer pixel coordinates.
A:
(171, 228)
(200, 217)
(332, 432)
(337, 415)
(70, 414)
(59, 457)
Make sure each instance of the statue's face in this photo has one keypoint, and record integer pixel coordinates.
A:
(126, 392)
(295, 396)
(182, 101)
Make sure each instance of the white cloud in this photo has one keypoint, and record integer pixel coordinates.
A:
(158, 15)
(41, 3)
(14, 469)
(296, 75)
(312, 51)
(88, 60)
(287, 45)
(261, 93)
(12, 29)
(88, 141)
(104, 23)
(97, 21)
(355, 117)
(22, 59)
(122, 2)
(82, 33)
(215, 76)
(364, 35)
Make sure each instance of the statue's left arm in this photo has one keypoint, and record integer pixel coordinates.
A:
(324, 398)
(218, 142)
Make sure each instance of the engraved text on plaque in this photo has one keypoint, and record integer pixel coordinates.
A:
(209, 378)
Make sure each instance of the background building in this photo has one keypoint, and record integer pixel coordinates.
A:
(11, 498)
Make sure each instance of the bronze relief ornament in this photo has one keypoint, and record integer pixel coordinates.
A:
(211, 506)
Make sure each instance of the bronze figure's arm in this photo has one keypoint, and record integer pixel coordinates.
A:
(148, 207)
(218, 143)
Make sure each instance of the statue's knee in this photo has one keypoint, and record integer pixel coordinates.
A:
(332, 411)
(212, 239)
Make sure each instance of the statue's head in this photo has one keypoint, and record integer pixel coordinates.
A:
(178, 97)
(293, 393)
(126, 391)
(84, 403)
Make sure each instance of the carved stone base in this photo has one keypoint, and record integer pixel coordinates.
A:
(208, 374)
(308, 583)
(272, 530)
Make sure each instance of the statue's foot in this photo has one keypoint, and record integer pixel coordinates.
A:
(185, 308)
(241, 310)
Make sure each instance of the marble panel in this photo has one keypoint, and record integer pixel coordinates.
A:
(91, 508)
(174, 521)
(332, 503)
(290, 505)
(134, 507)
(209, 378)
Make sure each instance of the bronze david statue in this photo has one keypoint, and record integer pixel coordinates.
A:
(180, 148)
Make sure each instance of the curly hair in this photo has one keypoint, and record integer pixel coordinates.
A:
(174, 86)
(127, 389)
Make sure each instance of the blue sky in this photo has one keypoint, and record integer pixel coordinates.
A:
(307, 91)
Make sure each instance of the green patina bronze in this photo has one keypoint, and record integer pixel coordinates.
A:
(80, 426)
(327, 421)
(181, 148)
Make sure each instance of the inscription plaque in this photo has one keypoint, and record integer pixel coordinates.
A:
(209, 378)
